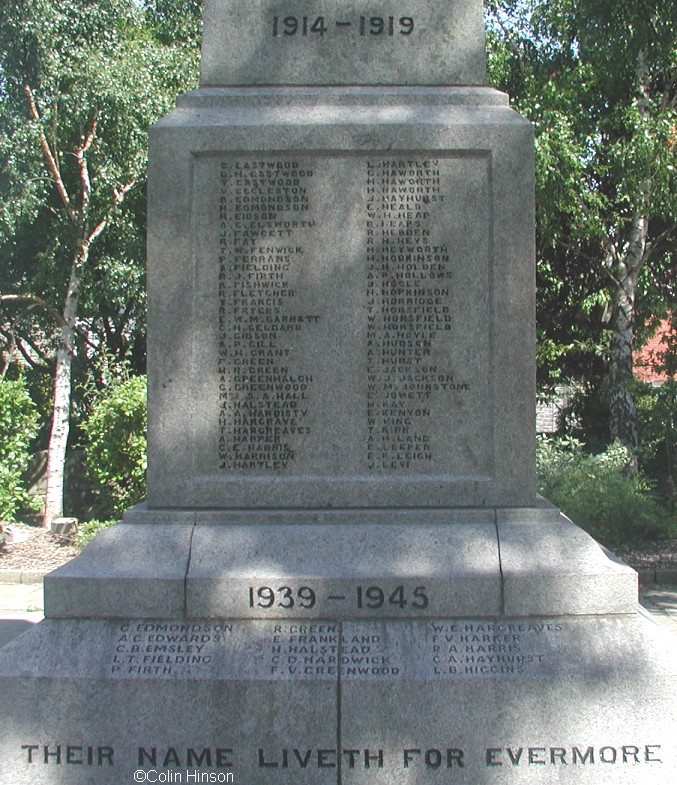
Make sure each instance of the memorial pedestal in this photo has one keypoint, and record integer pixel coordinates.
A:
(475, 699)
(329, 652)
(342, 573)
(319, 285)
(406, 564)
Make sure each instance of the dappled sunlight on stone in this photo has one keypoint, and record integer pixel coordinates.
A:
(342, 574)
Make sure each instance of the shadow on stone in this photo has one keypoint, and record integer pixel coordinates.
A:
(11, 628)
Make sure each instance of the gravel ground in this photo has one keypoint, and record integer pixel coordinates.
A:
(656, 555)
(43, 551)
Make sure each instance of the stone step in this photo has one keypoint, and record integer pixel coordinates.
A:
(529, 562)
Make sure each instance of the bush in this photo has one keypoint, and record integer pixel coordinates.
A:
(657, 411)
(19, 426)
(89, 529)
(116, 447)
(598, 494)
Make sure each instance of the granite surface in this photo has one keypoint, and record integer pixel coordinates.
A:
(488, 563)
(544, 699)
(268, 42)
(352, 326)
(342, 573)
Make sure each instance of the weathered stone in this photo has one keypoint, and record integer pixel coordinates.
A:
(342, 572)
(267, 43)
(557, 568)
(395, 565)
(329, 571)
(477, 700)
(125, 571)
(347, 336)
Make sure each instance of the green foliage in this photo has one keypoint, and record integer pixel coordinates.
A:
(598, 79)
(18, 423)
(657, 408)
(176, 21)
(116, 446)
(598, 494)
(107, 67)
(89, 529)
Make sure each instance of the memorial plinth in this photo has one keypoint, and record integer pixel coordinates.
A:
(342, 572)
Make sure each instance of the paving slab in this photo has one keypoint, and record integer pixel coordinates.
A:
(20, 597)
(21, 606)
(661, 603)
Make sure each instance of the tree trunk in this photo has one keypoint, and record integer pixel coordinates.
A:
(623, 413)
(61, 405)
(80, 218)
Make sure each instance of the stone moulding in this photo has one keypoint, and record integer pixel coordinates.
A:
(502, 562)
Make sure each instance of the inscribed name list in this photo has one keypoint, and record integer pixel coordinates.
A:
(346, 303)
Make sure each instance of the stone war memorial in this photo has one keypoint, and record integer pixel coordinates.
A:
(342, 573)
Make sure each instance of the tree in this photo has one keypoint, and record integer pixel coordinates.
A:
(598, 78)
(81, 82)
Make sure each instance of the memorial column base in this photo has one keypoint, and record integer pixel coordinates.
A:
(345, 564)
(435, 664)
(429, 652)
